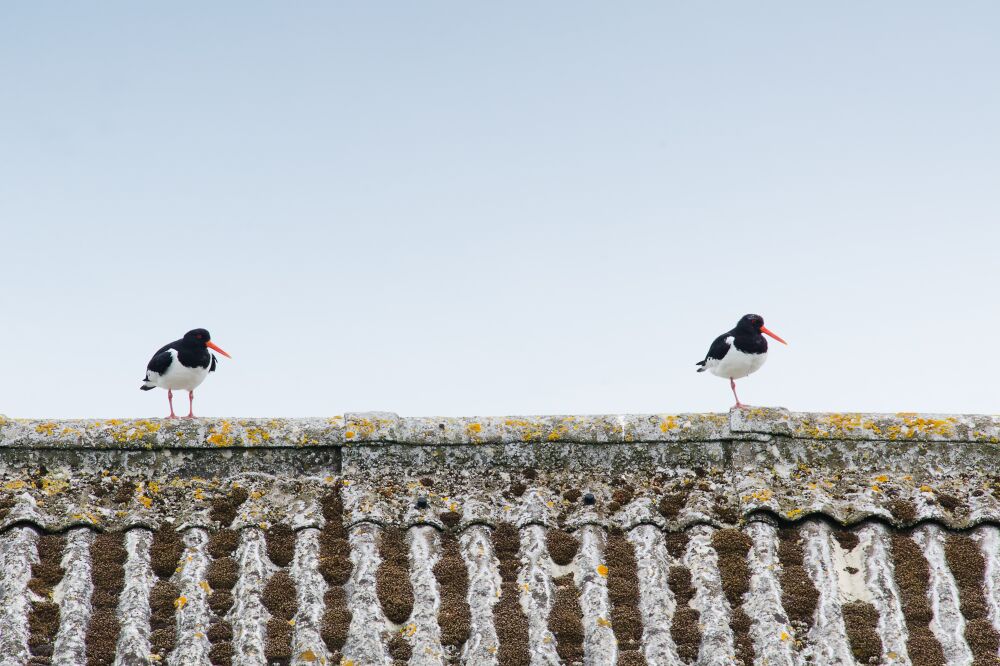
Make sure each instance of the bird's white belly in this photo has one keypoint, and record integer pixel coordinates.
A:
(736, 364)
(179, 377)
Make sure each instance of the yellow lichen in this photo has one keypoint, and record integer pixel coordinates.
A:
(762, 495)
(474, 428)
(53, 486)
(257, 435)
(221, 435)
(603, 622)
(180, 602)
(132, 431)
(602, 570)
(46, 429)
(668, 423)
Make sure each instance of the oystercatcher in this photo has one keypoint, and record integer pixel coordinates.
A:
(182, 364)
(739, 352)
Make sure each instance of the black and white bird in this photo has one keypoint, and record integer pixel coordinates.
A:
(739, 352)
(183, 365)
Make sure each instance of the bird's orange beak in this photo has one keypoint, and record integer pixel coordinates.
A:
(212, 345)
(763, 329)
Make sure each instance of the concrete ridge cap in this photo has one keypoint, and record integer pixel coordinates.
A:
(370, 428)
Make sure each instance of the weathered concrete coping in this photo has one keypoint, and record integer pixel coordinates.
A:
(372, 428)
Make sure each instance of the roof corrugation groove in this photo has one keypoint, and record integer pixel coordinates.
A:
(761, 538)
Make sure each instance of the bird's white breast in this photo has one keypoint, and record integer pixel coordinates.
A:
(736, 364)
(177, 376)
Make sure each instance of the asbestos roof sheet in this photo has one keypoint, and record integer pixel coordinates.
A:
(759, 537)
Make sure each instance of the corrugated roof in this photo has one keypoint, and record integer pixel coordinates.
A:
(762, 537)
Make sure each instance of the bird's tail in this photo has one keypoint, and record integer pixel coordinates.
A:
(147, 386)
(702, 368)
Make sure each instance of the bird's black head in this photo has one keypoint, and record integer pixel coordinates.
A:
(750, 323)
(198, 336)
(754, 325)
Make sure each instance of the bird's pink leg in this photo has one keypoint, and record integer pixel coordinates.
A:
(732, 383)
(190, 404)
(170, 399)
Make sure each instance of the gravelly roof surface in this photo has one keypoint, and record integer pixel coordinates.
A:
(758, 537)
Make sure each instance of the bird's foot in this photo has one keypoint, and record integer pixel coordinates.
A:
(172, 416)
(190, 416)
(740, 405)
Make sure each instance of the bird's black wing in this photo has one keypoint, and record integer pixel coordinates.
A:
(718, 349)
(161, 359)
(211, 366)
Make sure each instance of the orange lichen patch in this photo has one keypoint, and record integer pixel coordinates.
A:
(914, 426)
(473, 429)
(511, 623)
(392, 581)
(912, 573)
(669, 423)
(453, 580)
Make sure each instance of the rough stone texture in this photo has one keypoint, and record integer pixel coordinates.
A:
(659, 539)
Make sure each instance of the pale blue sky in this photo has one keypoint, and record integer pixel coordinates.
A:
(479, 208)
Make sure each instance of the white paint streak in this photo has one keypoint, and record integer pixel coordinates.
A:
(828, 642)
(248, 616)
(193, 616)
(17, 553)
(599, 643)
(880, 581)
(948, 624)
(989, 543)
(73, 596)
(771, 634)
(484, 592)
(426, 638)
(656, 601)
(365, 643)
(133, 603)
(310, 588)
(537, 595)
(709, 599)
